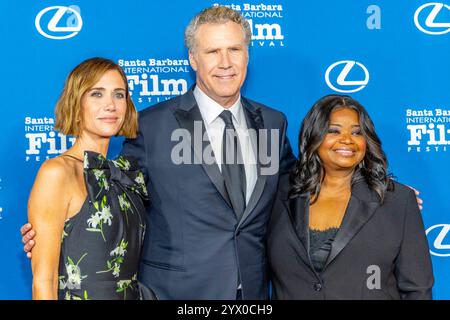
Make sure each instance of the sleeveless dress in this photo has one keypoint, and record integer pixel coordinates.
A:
(101, 245)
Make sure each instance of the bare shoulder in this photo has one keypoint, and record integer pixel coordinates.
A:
(58, 172)
(55, 165)
(55, 170)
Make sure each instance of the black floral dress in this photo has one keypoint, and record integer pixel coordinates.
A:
(101, 245)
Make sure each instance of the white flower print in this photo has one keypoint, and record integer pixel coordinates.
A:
(99, 174)
(120, 250)
(74, 276)
(141, 183)
(123, 285)
(94, 220)
(101, 179)
(122, 163)
(70, 297)
(116, 270)
(100, 217)
(86, 161)
(140, 178)
(118, 255)
(106, 215)
(124, 203)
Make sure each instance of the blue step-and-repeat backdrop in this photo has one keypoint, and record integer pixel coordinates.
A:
(393, 56)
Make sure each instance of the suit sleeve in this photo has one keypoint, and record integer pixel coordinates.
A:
(136, 148)
(413, 268)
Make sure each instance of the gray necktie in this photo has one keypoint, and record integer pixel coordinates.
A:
(233, 170)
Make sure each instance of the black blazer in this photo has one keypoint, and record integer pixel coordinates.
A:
(380, 250)
(195, 246)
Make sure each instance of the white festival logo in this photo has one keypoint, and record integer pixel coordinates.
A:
(342, 78)
(53, 23)
(432, 27)
(437, 244)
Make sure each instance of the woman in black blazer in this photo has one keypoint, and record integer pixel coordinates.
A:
(341, 228)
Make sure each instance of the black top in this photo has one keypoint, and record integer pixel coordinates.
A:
(101, 245)
(320, 246)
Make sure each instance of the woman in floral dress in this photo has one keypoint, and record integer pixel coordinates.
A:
(87, 211)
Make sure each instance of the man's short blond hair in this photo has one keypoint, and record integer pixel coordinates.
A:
(68, 111)
(216, 15)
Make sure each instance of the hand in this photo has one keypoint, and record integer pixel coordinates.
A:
(27, 238)
(419, 201)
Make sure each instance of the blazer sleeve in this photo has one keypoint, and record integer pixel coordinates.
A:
(136, 148)
(413, 267)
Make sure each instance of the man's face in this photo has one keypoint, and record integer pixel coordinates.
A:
(220, 60)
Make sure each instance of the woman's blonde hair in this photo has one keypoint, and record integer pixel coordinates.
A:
(83, 77)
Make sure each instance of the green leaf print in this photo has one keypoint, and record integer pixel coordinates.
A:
(118, 255)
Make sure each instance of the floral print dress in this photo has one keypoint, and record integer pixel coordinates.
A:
(101, 245)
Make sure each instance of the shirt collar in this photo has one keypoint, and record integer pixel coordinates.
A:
(211, 110)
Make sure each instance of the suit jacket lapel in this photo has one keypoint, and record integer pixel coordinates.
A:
(254, 122)
(298, 209)
(360, 209)
(189, 117)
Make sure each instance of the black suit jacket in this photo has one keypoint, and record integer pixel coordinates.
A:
(380, 250)
(195, 247)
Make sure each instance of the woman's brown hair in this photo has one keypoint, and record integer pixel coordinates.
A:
(84, 76)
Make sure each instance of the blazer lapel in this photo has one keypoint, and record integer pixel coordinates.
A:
(360, 209)
(298, 209)
(189, 117)
(254, 123)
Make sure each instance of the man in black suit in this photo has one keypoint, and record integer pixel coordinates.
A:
(208, 217)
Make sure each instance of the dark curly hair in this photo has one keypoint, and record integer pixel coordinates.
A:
(308, 174)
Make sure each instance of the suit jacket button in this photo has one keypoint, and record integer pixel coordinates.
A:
(317, 287)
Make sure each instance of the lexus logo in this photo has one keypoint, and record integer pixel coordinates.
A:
(426, 19)
(441, 245)
(341, 83)
(55, 28)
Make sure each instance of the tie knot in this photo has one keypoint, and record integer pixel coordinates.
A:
(227, 117)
